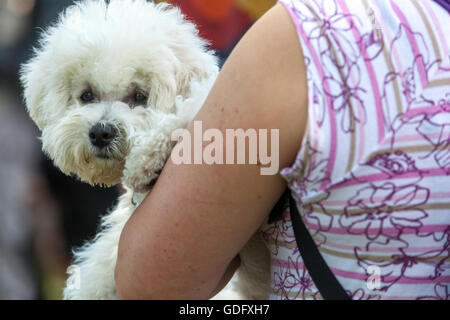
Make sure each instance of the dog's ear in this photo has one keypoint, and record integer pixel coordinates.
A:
(163, 92)
(43, 94)
(193, 74)
(34, 91)
(193, 60)
(45, 90)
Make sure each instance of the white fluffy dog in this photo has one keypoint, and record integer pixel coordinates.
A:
(108, 85)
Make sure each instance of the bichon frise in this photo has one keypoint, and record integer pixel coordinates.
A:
(107, 86)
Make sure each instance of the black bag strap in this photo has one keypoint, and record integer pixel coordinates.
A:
(329, 287)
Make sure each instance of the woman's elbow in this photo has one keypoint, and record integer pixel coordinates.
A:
(131, 281)
(126, 285)
(123, 289)
(138, 276)
(131, 286)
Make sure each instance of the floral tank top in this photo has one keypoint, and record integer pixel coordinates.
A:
(372, 178)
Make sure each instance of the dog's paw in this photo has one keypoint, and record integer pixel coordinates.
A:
(145, 163)
(142, 180)
(150, 151)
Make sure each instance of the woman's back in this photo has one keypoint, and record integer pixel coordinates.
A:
(372, 177)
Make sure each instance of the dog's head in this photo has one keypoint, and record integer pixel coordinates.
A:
(104, 76)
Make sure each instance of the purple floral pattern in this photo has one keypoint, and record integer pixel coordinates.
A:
(372, 178)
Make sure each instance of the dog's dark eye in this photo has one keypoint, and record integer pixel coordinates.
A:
(87, 96)
(140, 97)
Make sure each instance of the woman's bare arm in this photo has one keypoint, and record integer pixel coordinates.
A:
(180, 241)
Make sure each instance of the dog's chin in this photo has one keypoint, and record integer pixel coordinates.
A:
(103, 171)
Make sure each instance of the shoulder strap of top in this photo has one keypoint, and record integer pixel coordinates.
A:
(445, 4)
(325, 281)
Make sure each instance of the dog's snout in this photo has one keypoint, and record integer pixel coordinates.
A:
(101, 135)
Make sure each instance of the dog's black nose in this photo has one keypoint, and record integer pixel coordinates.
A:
(102, 134)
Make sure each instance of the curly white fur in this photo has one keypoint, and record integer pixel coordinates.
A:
(113, 50)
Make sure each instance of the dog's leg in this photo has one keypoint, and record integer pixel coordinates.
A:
(92, 275)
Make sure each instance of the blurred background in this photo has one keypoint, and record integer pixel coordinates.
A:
(43, 213)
